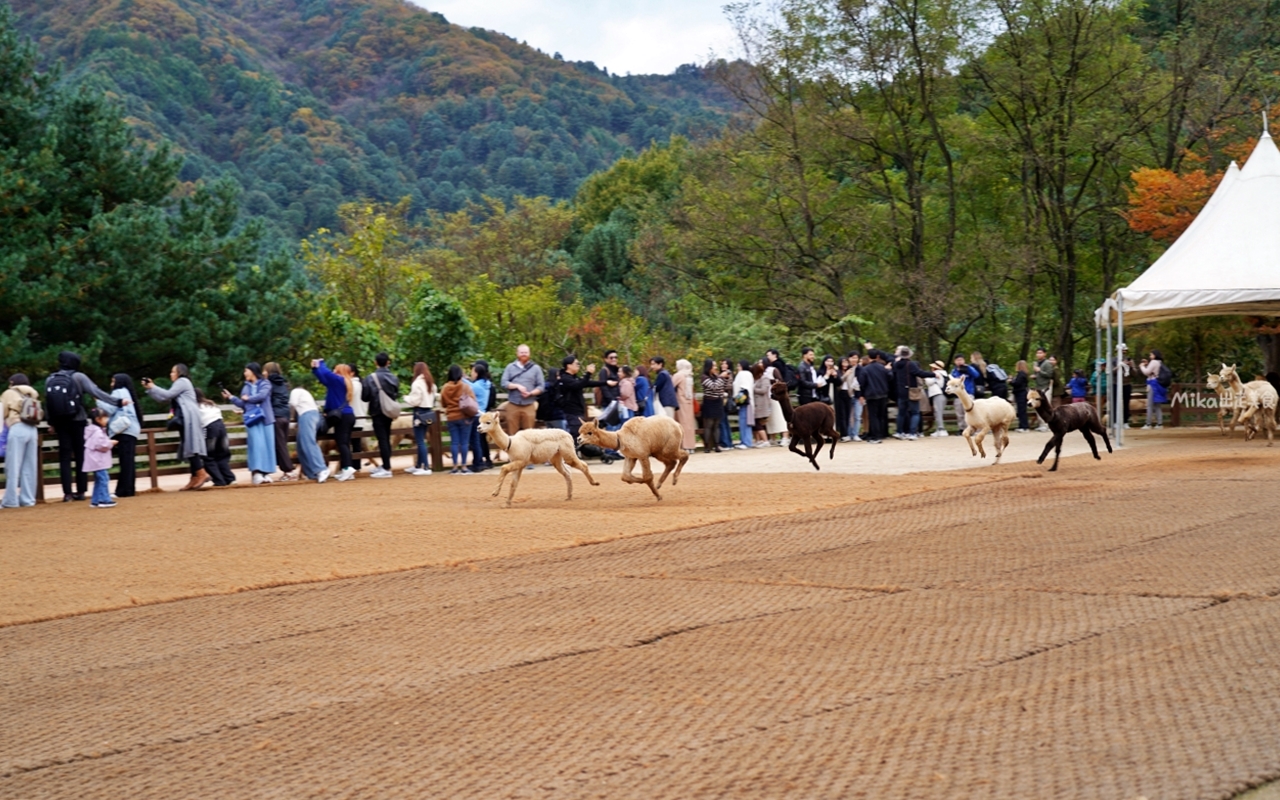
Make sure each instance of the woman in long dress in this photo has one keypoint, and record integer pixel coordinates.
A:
(683, 383)
(181, 398)
(777, 425)
(261, 433)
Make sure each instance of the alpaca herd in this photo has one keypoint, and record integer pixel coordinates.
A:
(1253, 405)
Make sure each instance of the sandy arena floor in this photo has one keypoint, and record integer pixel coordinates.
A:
(1106, 631)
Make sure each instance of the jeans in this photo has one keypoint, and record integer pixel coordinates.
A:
(904, 413)
(420, 439)
(127, 477)
(939, 411)
(459, 440)
(726, 433)
(20, 473)
(309, 454)
(71, 449)
(558, 424)
(855, 411)
(101, 487)
(744, 426)
(479, 445)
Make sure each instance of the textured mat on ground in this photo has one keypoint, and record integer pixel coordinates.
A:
(1096, 635)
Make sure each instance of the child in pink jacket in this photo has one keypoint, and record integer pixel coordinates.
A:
(97, 457)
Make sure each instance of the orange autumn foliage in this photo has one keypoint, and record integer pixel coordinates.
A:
(1163, 203)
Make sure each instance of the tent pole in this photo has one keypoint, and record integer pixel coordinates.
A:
(1112, 374)
(1120, 344)
(1097, 353)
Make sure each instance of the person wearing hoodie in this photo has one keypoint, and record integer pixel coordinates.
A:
(664, 392)
(181, 399)
(280, 408)
(65, 411)
(259, 422)
(20, 471)
(97, 457)
(338, 414)
(125, 428)
(382, 382)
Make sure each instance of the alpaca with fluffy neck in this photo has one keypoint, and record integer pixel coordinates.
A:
(992, 414)
(535, 446)
(638, 440)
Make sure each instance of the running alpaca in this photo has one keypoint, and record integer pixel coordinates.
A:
(808, 423)
(1252, 398)
(993, 414)
(1081, 417)
(533, 447)
(639, 439)
(1226, 400)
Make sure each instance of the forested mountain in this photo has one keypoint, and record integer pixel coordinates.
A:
(309, 103)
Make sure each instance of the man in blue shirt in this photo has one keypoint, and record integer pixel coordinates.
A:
(663, 389)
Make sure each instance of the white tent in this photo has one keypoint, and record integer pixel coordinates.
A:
(1226, 262)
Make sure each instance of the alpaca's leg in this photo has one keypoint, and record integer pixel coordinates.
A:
(557, 461)
(1057, 452)
(1102, 429)
(647, 477)
(667, 464)
(967, 433)
(502, 478)
(999, 440)
(681, 457)
(517, 469)
(834, 436)
(570, 457)
(1045, 453)
(628, 465)
(1093, 443)
(982, 434)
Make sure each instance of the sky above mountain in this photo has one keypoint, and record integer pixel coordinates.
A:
(655, 36)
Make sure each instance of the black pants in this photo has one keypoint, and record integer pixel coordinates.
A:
(282, 445)
(382, 429)
(127, 452)
(712, 413)
(1020, 399)
(842, 412)
(218, 461)
(1126, 394)
(877, 418)
(342, 436)
(71, 454)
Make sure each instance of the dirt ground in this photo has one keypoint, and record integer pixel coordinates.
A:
(1109, 631)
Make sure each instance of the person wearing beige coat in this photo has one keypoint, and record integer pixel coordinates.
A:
(20, 470)
(682, 381)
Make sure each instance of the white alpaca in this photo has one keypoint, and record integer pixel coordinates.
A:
(1227, 400)
(639, 439)
(535, 446)
(1253, 398)
(993, 414)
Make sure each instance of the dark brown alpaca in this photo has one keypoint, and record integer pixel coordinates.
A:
(1063, 420)
(808, 423)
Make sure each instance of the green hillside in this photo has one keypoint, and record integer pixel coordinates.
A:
(307, 103)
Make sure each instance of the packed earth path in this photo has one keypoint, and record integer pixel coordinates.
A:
(1111, 630)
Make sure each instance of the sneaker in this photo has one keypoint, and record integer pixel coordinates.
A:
(108, 504)
(1146, 427)
(784, 443)
(420, 472)
(741, 447)
(1159, 427)
(347, 474)
(323, 476)
(856, 439)
(874, 441)
(380, 473)
(1126, 426)
(762, 444)
(257, 478)
(465, 471)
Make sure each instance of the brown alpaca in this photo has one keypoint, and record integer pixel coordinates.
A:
(535, 446)
(639, 439)
(809, 423)
(1066, 418)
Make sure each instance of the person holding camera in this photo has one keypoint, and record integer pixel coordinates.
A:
(181, 399)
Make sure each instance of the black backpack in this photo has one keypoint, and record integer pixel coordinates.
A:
(62, 395)
(1165, 376)
(791, 377)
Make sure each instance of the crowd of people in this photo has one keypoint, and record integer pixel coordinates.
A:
(859, 386)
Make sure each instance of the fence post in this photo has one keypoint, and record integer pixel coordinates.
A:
(435, 443)
(151, 460)
(1175, 408)
(39, 467)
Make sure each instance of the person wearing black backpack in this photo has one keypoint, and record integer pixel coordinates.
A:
(64, 393)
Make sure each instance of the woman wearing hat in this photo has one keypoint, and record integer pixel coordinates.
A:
(934, 390)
